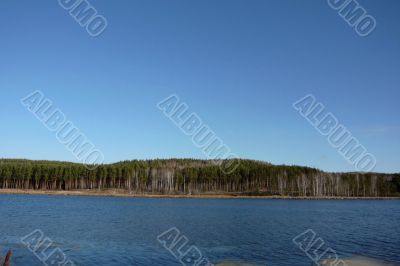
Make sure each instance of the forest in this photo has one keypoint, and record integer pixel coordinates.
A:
(191, 176)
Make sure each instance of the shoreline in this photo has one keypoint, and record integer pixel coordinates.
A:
(126, 194)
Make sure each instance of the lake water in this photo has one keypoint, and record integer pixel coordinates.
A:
(123, 231)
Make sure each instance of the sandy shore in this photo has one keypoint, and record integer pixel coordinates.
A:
(123, 193)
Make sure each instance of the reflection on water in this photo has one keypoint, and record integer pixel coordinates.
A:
(123, 231)
(237, 263)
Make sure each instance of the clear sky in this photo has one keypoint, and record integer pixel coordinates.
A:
(238, 64)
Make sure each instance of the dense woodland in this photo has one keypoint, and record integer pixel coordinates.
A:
(187, 176)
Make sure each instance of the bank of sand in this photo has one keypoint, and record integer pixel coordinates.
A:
(124, 193)
(356, 261)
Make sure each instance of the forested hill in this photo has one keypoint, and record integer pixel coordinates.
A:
(188, 176)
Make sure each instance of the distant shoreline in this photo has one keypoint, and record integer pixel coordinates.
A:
(119, 193)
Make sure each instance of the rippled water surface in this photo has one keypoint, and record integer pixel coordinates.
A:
(123, 231)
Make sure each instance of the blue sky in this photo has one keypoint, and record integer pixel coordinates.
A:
(238, 64)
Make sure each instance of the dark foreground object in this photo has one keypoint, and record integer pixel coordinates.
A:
(7, 260)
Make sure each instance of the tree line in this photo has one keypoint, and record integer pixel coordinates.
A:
(190, 176)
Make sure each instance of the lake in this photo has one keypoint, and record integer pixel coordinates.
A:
(123, 231)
